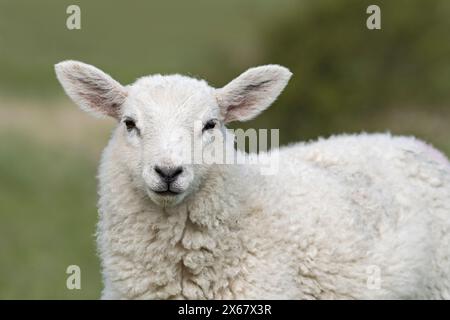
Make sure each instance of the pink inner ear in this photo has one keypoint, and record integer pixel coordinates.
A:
(243, 111)
(103, 105)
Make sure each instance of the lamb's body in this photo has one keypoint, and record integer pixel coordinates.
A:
(339, 213)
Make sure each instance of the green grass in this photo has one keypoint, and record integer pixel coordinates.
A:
(48, 216)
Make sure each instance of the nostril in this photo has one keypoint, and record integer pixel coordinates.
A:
(159, 171)
(167, 173)
(177, 172)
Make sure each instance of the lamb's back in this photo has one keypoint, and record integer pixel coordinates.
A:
(380, 201)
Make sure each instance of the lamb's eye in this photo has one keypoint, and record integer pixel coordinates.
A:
(130, 124)
(211, 124)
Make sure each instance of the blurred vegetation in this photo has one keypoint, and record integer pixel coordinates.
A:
(346, 79)
(48, 215)
(129, 39)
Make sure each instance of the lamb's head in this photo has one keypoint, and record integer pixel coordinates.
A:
(161, 120)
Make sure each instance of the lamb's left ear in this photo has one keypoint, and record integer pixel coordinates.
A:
(90, 88)
(252, 92)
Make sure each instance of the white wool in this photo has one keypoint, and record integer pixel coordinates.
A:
(336, 210)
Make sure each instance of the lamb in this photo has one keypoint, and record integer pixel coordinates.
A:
(349, 217)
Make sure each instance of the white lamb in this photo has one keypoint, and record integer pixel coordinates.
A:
(355, 216)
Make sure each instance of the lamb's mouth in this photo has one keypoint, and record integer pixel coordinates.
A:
(166, 192)
(166, 197)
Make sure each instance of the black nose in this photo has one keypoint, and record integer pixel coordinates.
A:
(168, 174)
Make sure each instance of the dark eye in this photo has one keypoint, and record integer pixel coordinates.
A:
(130, 124)
(211, 124)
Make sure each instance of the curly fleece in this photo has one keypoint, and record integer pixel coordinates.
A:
(337, 209)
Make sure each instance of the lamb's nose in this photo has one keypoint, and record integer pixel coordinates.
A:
(168, 174)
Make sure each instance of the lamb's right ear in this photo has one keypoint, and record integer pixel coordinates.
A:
(90, 88)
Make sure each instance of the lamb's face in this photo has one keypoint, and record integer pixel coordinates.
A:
(162, 120)
(165, 121)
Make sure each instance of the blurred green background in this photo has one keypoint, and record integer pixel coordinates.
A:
(346, 79)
